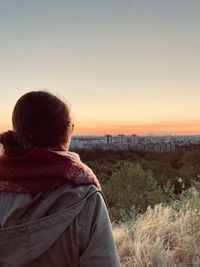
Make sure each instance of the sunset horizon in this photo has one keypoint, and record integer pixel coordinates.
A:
(159, 128)
(122, 67)
(137, 132)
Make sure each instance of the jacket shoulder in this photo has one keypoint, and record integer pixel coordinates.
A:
(97, 243)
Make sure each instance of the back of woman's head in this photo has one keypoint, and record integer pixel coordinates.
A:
(39, 119)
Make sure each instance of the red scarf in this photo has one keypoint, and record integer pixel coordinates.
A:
(40, 170)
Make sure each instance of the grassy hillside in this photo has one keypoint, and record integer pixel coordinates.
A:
(163, 236)
(154, 203)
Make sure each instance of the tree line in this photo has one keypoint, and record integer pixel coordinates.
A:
(134, 180)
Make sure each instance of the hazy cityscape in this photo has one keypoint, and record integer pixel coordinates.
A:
(147, 143)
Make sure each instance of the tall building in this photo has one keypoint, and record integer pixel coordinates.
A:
(122, 139)
(108, 139)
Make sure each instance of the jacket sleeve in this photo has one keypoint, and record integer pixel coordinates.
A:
(96, 233)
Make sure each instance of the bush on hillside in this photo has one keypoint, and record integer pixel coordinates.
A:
(132, 188)
(190, 169)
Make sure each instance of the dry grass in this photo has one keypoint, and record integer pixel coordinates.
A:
(161, 237)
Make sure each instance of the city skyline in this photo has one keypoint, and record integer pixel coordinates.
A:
(123, 66)
(150, 143)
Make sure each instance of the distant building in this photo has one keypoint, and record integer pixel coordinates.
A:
(150, 143)
(135, 139)
(75, 143)
(108, 139)
(122, 139)
(141, 140)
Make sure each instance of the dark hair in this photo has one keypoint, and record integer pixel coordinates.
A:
(40, 119)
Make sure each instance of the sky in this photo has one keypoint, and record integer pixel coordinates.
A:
(127, 67)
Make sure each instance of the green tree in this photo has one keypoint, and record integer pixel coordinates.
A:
(190, 167)
(132, 188)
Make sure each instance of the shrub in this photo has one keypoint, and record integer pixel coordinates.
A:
(132, 188)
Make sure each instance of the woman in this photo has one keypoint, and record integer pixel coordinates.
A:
(52, 212)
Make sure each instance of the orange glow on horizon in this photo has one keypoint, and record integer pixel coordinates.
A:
(160, 128)
(173, 128)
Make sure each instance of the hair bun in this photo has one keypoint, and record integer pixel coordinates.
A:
(11, 143)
